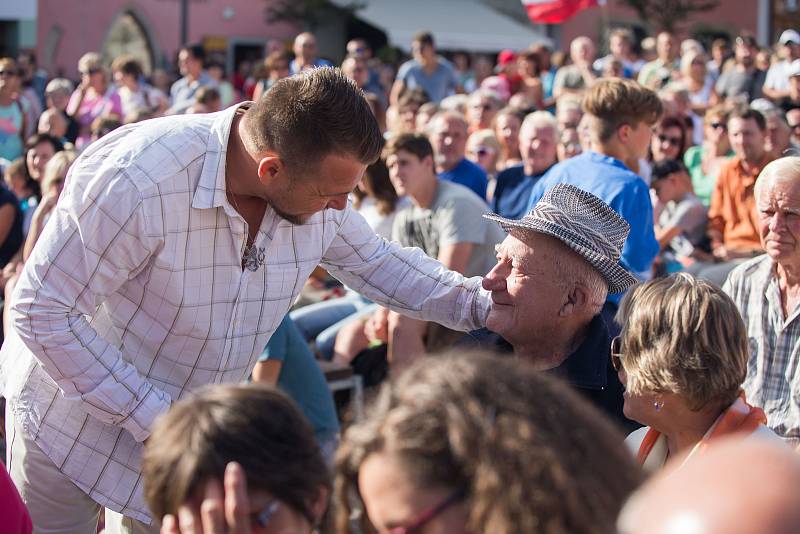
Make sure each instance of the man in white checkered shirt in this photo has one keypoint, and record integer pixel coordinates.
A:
(766, 290)
(176, 250)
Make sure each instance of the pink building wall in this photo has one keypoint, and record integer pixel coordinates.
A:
(732, 15)
(85, 24)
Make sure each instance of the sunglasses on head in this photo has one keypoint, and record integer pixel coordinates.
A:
(92, 71)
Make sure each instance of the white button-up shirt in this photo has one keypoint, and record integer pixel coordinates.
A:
(135, 295)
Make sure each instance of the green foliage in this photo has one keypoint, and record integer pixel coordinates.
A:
(668, 14)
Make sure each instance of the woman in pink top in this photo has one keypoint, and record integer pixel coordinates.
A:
(93, 98)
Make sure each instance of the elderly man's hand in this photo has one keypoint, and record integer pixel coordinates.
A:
(223, 511)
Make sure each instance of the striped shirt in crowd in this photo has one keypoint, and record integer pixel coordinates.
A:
(772, 382)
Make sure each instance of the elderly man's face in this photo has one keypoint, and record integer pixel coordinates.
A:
(778, 136)
(449, 140)
(582, 51)
(537, 145)
(778, 207)
(526, 288)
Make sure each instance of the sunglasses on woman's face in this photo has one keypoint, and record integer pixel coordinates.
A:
(718, 125)
(674, 141)
(616, 353)
(482, 151)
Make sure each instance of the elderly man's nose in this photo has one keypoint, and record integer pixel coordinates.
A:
(494, 281)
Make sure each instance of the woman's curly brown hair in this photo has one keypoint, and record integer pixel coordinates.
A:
(530, 455)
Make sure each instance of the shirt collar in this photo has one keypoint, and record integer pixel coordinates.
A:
(603, 158)
(587, 367)
(749, 178)
(211, 191)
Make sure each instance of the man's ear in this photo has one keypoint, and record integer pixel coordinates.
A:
(269, 166)
(576, 299)
(624, 133)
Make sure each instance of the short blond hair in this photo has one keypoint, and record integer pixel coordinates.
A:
(613, 102)
(56, 169)
(90, 60)
(485, 137)
(685, 336)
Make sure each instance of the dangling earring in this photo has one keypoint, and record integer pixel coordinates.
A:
(658, 404)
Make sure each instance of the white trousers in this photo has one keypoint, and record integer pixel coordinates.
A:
(55, 503)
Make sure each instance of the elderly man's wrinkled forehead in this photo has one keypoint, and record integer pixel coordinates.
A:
(528, 247)
(780, 180)
(450, 123)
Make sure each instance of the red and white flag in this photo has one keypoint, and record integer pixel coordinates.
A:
(555, 11)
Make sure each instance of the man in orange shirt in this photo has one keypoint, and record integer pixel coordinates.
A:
(732, 218)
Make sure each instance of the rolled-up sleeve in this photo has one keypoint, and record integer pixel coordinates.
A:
(97, 239)
(405, 280)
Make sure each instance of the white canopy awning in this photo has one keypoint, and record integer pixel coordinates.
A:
(455, 24)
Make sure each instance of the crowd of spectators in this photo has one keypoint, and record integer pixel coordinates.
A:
(641, 253)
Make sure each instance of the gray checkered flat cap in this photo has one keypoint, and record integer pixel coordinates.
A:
(585, 224)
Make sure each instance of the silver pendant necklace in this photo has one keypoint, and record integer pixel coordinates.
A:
(253, 256)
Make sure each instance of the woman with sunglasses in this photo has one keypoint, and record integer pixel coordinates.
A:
(236, 458)
(472, 443)
(483, 149)
(682, 357)
(93, 97)
(669, 140)
(704, 161)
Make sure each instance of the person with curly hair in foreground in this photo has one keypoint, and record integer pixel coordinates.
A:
(481, 444)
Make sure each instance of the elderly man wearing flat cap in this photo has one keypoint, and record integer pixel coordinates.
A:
(553, 273)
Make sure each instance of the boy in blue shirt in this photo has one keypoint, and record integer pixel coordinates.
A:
(621, 113)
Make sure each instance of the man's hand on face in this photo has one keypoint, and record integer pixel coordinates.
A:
(225, 508)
